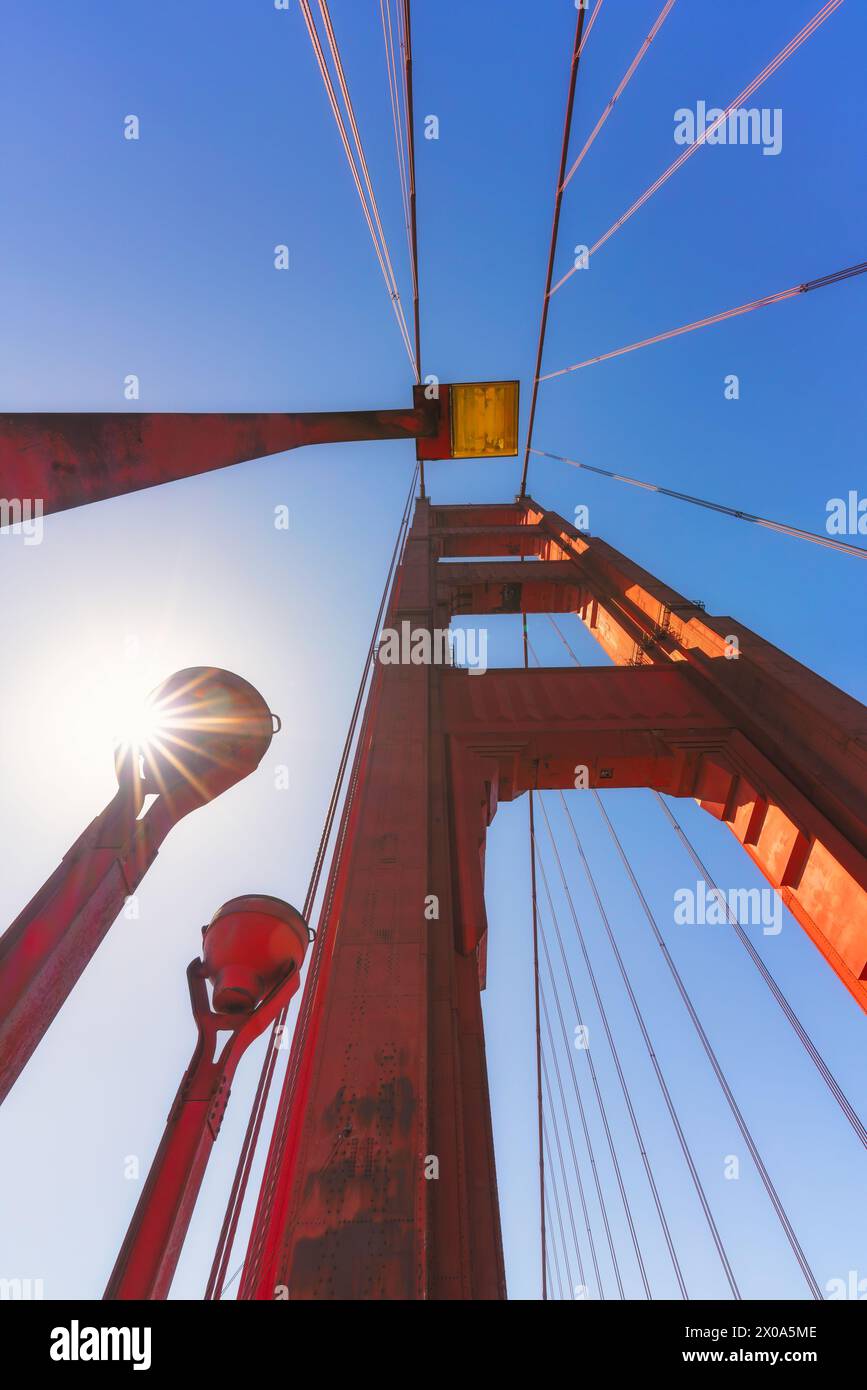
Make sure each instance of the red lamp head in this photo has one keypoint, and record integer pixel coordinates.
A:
(201, 731)
(250, 945)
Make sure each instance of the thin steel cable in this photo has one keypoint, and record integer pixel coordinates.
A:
(639, 1138)
(791, 47)
(216, 1286)
(557, 1207)
(552, 248)
(556, 1128)
(396, 114)
(801, 1033)
(599, 1100)
(394, 297)
(645, 1033)
(585, 1127)
(781, 527)
(621, 87)
(571, 1138)
(624, 1197)
(406, 39)
(588, 28)
(657, 1067)
(742, 1125)
(347, 101)
(553, 1245)
(762, 303)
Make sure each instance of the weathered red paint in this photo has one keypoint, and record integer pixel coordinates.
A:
(67, 460)
(248, 928)
(392, 1069)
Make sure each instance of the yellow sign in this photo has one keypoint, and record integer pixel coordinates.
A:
(484, 419)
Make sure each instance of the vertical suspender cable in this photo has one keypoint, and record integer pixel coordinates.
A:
(547, 1017)
(616, 1056)
(552, 249)
(742, 1125)
(569, 1207)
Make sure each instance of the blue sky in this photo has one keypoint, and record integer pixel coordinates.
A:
(156, 257)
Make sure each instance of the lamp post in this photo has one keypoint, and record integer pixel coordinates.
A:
(252, 952)
(206, 729)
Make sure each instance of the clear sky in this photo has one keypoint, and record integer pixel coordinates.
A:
(155, 257)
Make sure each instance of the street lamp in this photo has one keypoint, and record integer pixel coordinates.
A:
(252, 952)
(202, 731)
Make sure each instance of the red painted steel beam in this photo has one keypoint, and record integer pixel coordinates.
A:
(548, 586)
(391, 1076)
(790, 780)
(391, 1073)
(68, 460)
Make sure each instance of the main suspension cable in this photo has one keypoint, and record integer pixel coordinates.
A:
(577, 45)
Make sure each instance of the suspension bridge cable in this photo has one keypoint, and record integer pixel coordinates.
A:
(617, 1063)
(552, 248)
(600, 1101)
(762, 303)
(558, 1209)
(344, 88)
(583, 1116)
(621, 87)
(645, 1032)
(657, 1067)
(216, 1286)
(381, 250)
(781, 527)
(588, 28)
(571, 1138)
(406, 40)
(791, 47)
(396, 114)
(568, 1194)
(548, 1271)
(602, 1110)
(792, 1017)
(812, 1051)
(742, 1125)
(410, 140)
(553, 1245)
(535, 919)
